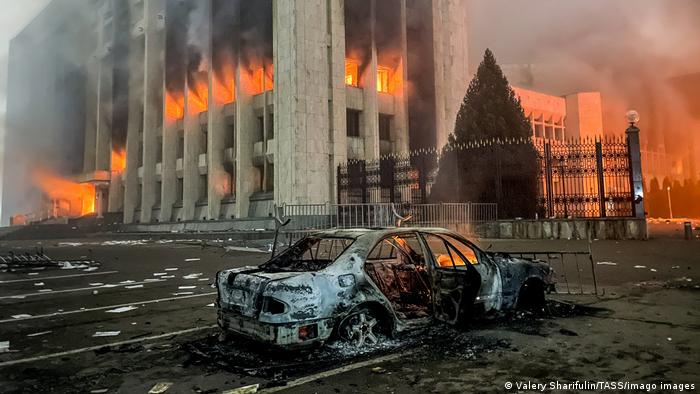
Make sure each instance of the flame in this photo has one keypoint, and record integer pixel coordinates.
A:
(118, 159)
(72, 198)
(352, 69)
(263, 79)
(224, 91)
(174, 106)
(383, 79)
(197, 99)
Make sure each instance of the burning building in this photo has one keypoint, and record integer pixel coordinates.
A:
(176, 110)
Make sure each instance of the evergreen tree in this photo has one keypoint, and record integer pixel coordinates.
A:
(504, 173)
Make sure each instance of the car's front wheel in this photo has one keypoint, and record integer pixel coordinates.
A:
(360, 328)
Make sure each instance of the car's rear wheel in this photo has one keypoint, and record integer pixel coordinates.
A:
(531, 297)
(360, 328)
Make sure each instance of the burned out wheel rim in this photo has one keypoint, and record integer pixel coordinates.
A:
(360, 329)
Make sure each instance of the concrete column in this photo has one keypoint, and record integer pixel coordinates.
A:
(337, 111)
(103, 152)
(153, 102)
(216, 125)
(370, 114)
(193, 148)
(247, 175)
(134, 127)
(91, 114)
(450, 52)
(400, 124)
(301, 101)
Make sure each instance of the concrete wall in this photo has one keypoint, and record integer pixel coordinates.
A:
(611, 229)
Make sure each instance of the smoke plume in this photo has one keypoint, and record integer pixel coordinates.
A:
(633, 52)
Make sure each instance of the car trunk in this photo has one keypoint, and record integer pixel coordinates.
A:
(241, 292)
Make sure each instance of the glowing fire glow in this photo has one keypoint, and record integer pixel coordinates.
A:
(118, 159)
(224, 91)
(352, 68)
(263, 78)
(174, 106)
(383, 79)
(69, 198)
(198, 96)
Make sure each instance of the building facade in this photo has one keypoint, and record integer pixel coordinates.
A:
(219, 109)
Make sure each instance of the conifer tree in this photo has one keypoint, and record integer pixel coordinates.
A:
(504, 172)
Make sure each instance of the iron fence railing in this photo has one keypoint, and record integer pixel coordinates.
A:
(577, 178)
(456, 216)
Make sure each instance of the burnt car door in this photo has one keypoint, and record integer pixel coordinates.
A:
(491, 290)
(455, 283)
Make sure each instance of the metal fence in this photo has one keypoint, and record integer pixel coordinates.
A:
(585, 178)
(456, 216)
(577, 178)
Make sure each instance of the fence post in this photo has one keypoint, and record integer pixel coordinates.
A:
(392, 171)
(422, 179)
(337, 181)
(601, 176)
(548, 178)
(635, 166)
(363, 181)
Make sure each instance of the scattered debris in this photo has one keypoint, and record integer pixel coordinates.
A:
(106, 334)
(171, 269)
(45, 290)
(123, 309)
(97, 284)
(192, 276)
(90, 269)
(39, 284)
(669, 339)
(167, 277)
(652, 269)
(250, 389)
(38, 260)
(160, 388)
(193, 259)
(4, 346)
(640, 266)
(36, 334)
(606, 263)
(98, 391)
(183, 293)
(21, 316)
(126, 282)
(133, 287)
(568, 333)
(378, 370)
(152, 280)
(212, 304)
(159, 274)
(186, 287)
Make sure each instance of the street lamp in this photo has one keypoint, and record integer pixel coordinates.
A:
(670, 208)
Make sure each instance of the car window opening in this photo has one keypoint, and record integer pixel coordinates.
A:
(308, 254)
(398, 267)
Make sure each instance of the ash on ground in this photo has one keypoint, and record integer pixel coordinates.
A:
(242, 356)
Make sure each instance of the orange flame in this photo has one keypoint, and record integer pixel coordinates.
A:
(224, 85)
(174, 106)
(118, 159)
(263, 78)
(76, 199)
(352, 69)
(198, 97)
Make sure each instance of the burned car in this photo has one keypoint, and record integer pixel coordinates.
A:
(355, 284)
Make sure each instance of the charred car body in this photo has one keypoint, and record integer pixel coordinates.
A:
(354, 284)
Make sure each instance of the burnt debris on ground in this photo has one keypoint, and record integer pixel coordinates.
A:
(277, 365)
(37, 260)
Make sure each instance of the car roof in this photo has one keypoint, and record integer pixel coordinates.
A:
(376, 232)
